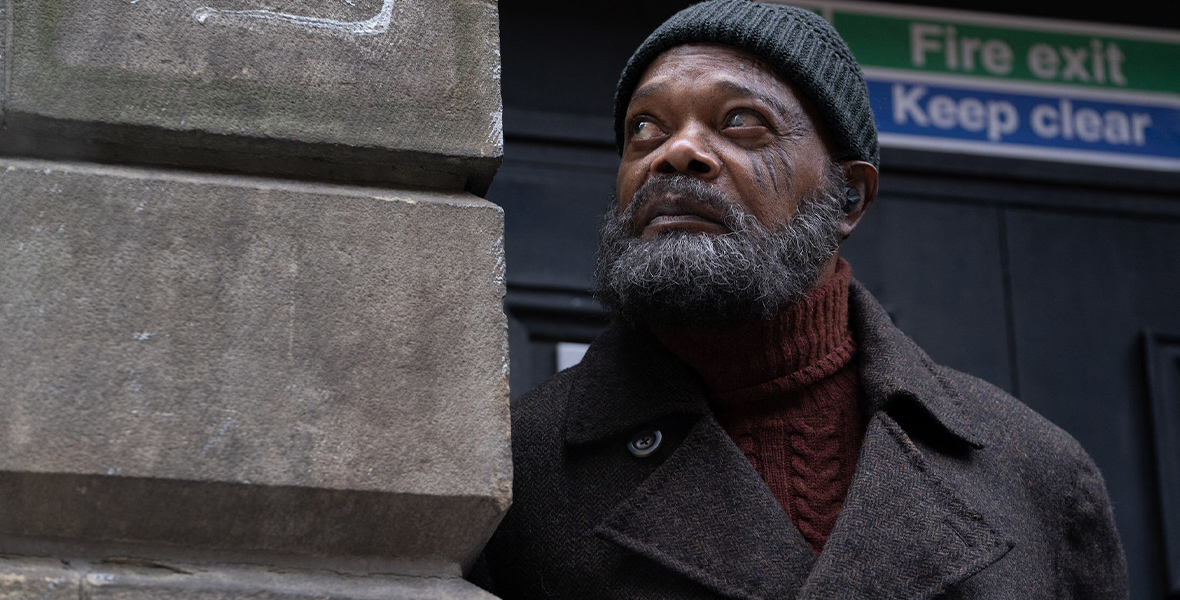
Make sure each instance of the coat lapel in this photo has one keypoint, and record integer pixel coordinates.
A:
(706, 514)
(905, 531)
(628, 379)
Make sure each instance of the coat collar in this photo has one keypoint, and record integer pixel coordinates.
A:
(631, 379)
(894, 368)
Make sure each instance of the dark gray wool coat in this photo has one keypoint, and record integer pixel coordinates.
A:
(960, 491)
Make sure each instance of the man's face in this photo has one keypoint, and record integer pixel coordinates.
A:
(728, 207)
(718, 115)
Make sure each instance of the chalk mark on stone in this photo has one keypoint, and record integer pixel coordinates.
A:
(378, 24)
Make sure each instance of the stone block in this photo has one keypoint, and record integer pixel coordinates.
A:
(403, 91)
(240, 363)
(36, 578)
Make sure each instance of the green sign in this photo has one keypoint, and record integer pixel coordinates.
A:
(1003, 47)
(955, 81)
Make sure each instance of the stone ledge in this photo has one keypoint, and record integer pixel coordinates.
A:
(38, 137)
(127, 578)
(213, 516)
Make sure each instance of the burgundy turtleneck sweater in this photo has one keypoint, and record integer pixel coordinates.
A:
(788, 392)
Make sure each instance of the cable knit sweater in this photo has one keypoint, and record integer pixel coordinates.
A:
(788, 392)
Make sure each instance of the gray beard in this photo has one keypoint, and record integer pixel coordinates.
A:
(689, 279)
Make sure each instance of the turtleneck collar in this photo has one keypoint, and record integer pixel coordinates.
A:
(806, 342)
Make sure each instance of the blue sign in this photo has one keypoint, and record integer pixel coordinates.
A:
(1034, 123)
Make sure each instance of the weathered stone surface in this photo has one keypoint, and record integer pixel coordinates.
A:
(195, 583)
(3, 53)
(139, 579)
(35, 578)
(411, 83)
(255, 364)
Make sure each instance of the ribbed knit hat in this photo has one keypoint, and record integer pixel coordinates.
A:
(799, 44)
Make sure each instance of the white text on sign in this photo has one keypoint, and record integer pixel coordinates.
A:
(1000, 118)
(1099, 62)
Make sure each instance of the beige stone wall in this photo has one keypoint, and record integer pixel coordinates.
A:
(253, 343)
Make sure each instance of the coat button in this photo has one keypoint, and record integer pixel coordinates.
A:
(645, 442)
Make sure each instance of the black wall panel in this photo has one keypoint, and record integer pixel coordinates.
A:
(1084, 289)
(936, 268)
(551, 216)
(1163, 376)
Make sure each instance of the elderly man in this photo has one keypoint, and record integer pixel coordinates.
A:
(752, 425)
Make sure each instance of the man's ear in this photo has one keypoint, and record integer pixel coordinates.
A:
(860, 178)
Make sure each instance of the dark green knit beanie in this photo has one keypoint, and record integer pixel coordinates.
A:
(799, 44)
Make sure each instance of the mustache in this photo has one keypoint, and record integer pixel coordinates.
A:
(688, 188)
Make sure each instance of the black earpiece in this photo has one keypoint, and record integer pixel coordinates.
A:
(851, 199)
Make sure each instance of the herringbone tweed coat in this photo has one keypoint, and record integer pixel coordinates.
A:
(960, 491)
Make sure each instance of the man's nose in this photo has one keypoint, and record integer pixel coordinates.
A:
(687, 153)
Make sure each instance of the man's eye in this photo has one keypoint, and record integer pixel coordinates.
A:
(644, 129)
(743, 118)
